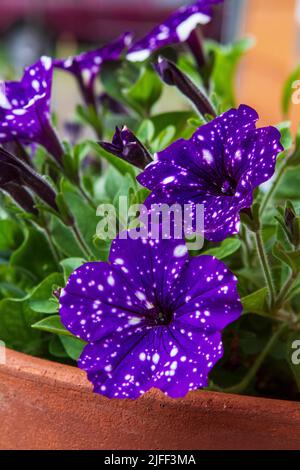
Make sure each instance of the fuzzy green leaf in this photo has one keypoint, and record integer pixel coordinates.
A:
(51, 324)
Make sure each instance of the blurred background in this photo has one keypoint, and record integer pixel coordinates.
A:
(29, 28)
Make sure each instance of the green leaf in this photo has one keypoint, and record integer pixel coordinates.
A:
(256, 302)
(164, 139)
(146, 131)
(84, 214)
(34, 255)
(51, 324)
(41, 299)
(288, 91)
(116, 76)
(227, 58)
(145, 92)
(289, 187)
(290, 258)
(44, 306)
(69, 265)
(88, 115)
(227, 248)
(11, 235)
(17, 316)
(10, 290)
(64, 239)
(102, 247)
(120, 165)
(286, 135)
(56, 348)
(112, 182)
(63, 209)
(178, 119)
(16, 319)
(73, 346)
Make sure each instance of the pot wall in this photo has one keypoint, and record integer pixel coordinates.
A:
(44, 405)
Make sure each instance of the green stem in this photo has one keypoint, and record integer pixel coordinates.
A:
(244, 384)
(273, 189)
(285, 290)
(85, 249)
(86, 197)
(53, 248)
(246, 248)
(265, 267)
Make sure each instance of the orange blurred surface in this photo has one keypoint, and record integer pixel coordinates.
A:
(268, 64)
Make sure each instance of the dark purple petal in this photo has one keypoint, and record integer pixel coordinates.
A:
(25, 105)
(86, 66)
(152, 316)
(177, 28)
(98, 300)
(150, 265)
(209, 286)
(128, 366)
(219, 167)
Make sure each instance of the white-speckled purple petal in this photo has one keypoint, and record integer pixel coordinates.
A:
(175, 29)
(87, 65)
(25, 105)
(219, 167)
(140, 315)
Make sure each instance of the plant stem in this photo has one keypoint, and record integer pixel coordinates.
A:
(86, 197)
(85, 249)
(53, 248)
(246, 248)
(243, 385)
(273, 189)
(285, 290)
(265, 267)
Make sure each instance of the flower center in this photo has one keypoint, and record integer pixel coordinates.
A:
(228, 187)
(164, 318)
(161, 317)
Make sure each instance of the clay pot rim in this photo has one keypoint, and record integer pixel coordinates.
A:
(54, 374)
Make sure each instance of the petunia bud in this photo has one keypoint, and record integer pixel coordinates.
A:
(18, 193)
(127, 146)
(111, 104)
(16, 148)
(14, 171)
(292, 223)
(173, 76)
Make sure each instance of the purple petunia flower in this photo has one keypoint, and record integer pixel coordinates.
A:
(25, 108)
(152, 316)
(219, 167)
(86, 66)
(177, 28)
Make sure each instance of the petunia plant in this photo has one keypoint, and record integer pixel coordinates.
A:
(164, 251)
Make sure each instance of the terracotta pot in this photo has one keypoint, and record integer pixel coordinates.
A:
(44, 405)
